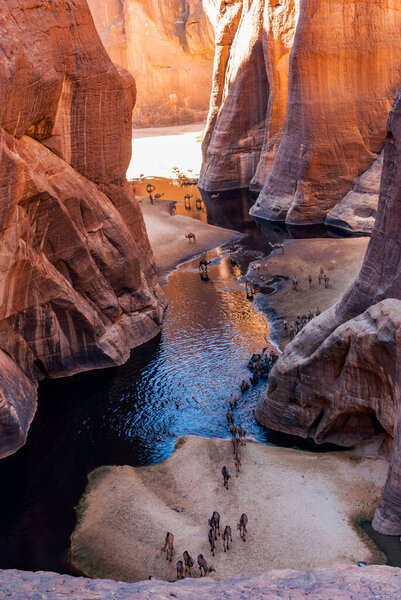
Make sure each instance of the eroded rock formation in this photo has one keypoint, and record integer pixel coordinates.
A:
(78, 285)
(357, 211)
(340, 583)
(338, 65)
(167, 45)
(344, 74)
(250, 87)
(339, 380)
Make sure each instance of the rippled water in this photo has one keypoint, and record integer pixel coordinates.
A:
(177, 384)
(209, 333)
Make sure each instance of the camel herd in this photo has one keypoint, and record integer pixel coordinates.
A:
(185, 565)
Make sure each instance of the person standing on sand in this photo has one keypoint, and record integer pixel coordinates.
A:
(295, 283)
(310, 280)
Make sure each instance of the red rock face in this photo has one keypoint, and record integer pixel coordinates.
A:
(250, 86)
(167, 45)
(78, 285)
(338, 65)
(339, 380)
(339, 583)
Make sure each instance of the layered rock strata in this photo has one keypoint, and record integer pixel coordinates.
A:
(78, 285)
(339, 380)
(168, 47)
(339, 583)
(249, 95)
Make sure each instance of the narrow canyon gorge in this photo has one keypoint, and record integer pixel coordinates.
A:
(301, 102)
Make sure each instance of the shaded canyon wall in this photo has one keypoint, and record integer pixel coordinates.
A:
(301, 97)
(167, 45)
(78, 285)
(339, 380)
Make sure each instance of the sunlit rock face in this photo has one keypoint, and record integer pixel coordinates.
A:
(78, 286)
(301, 95)
(167, 45)
(249, 96)
(343, 77)
(339, 380)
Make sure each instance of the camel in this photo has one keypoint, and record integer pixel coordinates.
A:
(180, 570)
(227, 536)
(226, 476)
(243, 522)
(214, 522)
(203, 566)
(191, 237)
(168, 547)
(189, 562)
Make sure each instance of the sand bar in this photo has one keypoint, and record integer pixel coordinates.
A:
(167, 236)
(340, 258)
(300, 507)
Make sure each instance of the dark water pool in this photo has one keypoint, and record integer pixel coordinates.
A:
(178, 384)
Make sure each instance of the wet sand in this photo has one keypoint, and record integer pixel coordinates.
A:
(167, 236)
(301, 507)
(341, 259)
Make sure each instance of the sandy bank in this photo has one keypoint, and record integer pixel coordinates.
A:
(341, 259)
(300, 508)
(167, 236)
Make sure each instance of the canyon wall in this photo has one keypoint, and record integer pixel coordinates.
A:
(301, 95)
(249, 95)
(78, 285)
(167, 45)
(339, 380)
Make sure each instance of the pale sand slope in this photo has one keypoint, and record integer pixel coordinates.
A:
(162, 148)
(167, 236)
(300, 508)
(341, 259)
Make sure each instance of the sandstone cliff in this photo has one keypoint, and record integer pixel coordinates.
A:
(301, 96)
(78, 286)
(167, 45)
(250, 87)
(339, 380)
(344, 75)
(340, 583)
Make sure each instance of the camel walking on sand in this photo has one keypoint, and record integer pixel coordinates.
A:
(191, 237)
